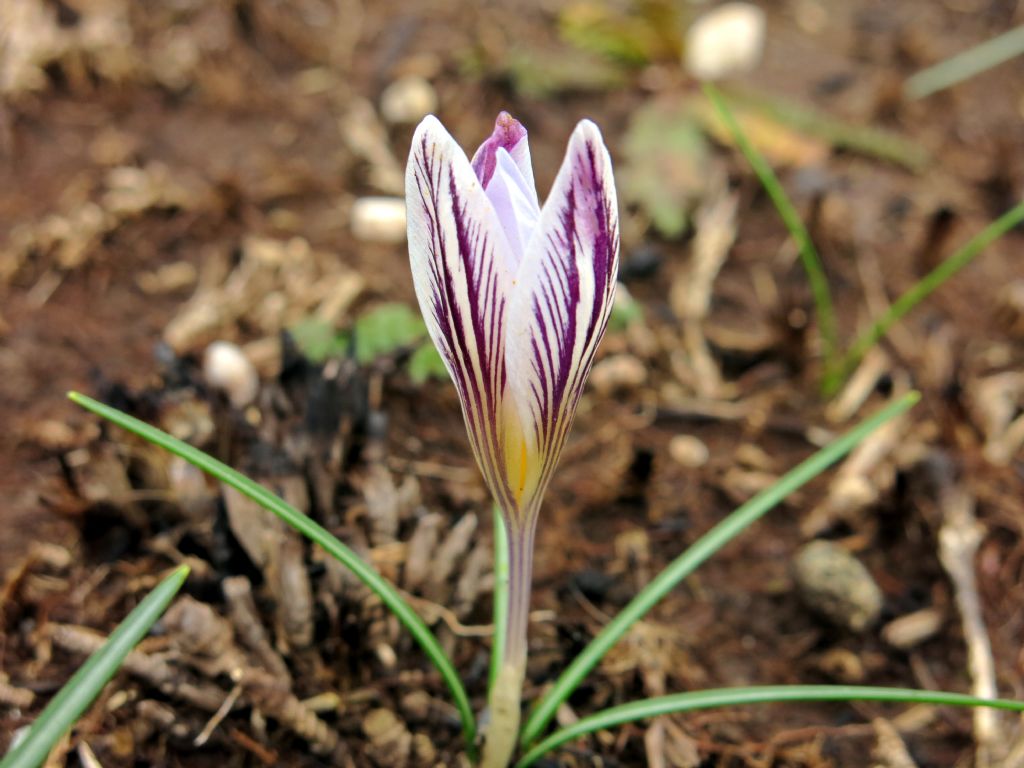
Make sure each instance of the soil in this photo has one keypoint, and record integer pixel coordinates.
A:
(176, 174)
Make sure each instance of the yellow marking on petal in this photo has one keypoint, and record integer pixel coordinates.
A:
(522, 472)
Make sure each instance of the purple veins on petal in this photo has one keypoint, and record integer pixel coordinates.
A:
(563, 297)
(458, 253)
(516, 297)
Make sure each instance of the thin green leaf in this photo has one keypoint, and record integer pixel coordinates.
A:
(425, 364)
(318, 340)
(388, 594)
(862, 139)
(965, 65)
(693, 557)
(808, 255)
(501, 578)
(85, 685)
(924, 288)
(385, 329)
(769, 694)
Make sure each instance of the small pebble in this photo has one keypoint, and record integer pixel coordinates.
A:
(618, 372)
(226, 368)
(911, 630)
(688, 450)
(835, 584)
(390, 741)
(727, 40)
(408, 100)
(842, 665)
(168, 278)
(378, 219)
(416, 706)
(423, 748)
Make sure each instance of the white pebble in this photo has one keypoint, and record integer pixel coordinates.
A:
(408, 100)
(725, 41)
(226, 368)
(688, 450)
(378, 219)
(617, 373)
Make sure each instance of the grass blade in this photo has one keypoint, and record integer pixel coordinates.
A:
(768, 694)
(501, 577)
(388, 594)
(808, 255)
(863, 139)
(693, 557)
(927, 285)
(966, 65)
(85, 685)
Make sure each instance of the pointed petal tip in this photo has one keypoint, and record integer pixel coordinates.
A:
(510, 130)
(429, 125)
(508, 134)
(587, 132)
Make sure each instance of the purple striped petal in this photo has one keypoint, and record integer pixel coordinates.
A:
(564, 293)
(509, 135)
(459, 256)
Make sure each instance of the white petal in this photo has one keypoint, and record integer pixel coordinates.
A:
(564, 294)
(459, 258)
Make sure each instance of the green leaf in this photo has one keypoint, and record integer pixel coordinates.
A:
(318, 340)
(867, 140)
(385, 330)
(922, 289)
(626, 310)
(545, 73)
(646, 31)
(380, 586)
(692, 558)
(426, 364)
(963, 66)
(85, 685)
(666, 164)
(809, 258)
(768, 694)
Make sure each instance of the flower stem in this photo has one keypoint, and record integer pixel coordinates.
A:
(520, 574)
(505, 695)
(500, 597)
(504, 704)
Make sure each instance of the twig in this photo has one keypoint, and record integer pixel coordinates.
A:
(218, 716)
(87, 757)
(154, 670)
(959, 538)
(890, 749)
(250, 630)
(691, 299)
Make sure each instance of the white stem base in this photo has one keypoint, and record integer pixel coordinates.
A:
(504, 704)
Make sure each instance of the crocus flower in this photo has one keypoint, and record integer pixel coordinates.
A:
(516, 298)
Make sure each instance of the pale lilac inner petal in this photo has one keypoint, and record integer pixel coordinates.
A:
(515, 201)
(508, 135)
